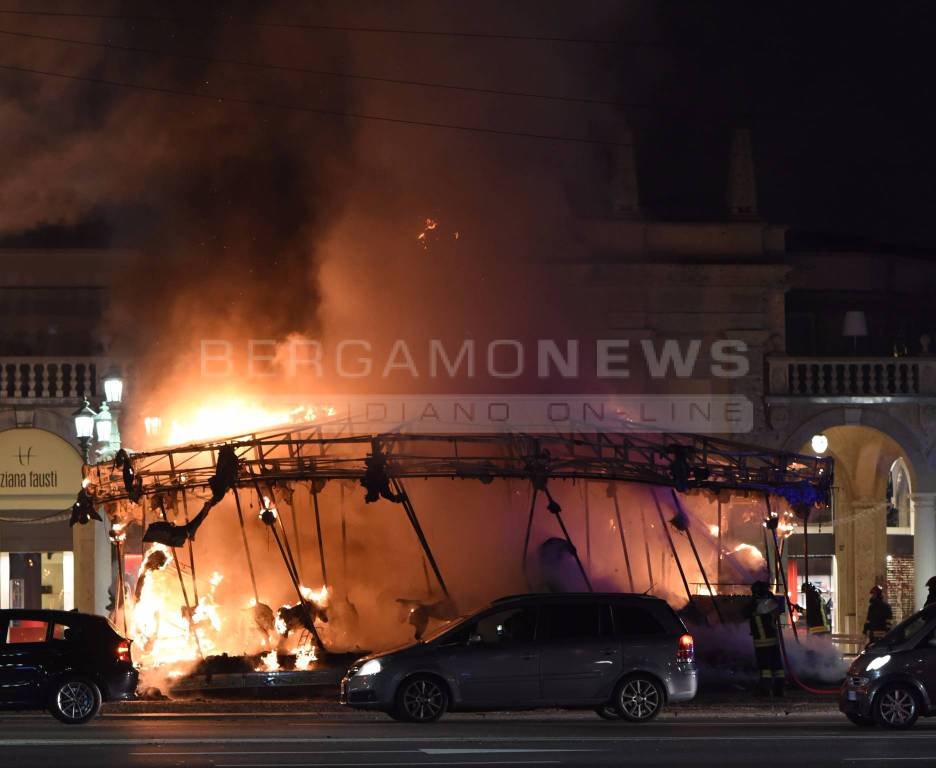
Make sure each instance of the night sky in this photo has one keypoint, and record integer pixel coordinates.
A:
(837, 95)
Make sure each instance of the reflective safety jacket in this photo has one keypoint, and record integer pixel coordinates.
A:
(763, 617)
(816, 613)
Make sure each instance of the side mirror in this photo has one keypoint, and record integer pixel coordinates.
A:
(475, 639)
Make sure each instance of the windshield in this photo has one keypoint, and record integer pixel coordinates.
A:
(904, 631)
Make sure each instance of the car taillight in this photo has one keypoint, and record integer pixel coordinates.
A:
(123, 652)
(685, 651)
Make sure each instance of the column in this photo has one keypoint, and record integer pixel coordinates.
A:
(92, 567)
(869, 523)
(923, 507)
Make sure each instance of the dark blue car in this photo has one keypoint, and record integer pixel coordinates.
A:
(63, 661)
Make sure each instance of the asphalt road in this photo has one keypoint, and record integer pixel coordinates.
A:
(573, 739)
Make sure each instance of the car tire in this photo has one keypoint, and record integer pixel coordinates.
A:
(862, 721)
(639, 698)
(421, 699)
(608, 712)
(896, 706)
(74, 700)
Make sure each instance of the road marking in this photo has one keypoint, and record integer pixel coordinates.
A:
(928, 759)
(161, 753)
(410, 738)
(467, 751)
(471, 751)
(408, 765)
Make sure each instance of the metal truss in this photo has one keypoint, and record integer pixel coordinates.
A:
(306, 453)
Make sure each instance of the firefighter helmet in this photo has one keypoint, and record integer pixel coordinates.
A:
(931, 582)
(877, 590)
(760, 588)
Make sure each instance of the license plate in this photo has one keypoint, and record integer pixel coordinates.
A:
(852, 696)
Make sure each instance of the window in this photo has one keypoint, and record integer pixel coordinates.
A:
(582, 621)
(515, 625)
(632, 620)
(64, 633)
(26, 631)
(905, 630)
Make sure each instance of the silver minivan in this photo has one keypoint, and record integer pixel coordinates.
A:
(623, 655)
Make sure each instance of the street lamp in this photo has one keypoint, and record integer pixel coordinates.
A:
(84, 427)
(113, 387)
(819, 444)
(103, 424)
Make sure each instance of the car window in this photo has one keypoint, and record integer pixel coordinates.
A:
(26, 631)
(905, 630)
(633, 620)
(575, 621)
(513, 625)
(64, 633)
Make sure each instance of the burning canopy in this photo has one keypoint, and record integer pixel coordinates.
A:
(156, 488)
(683, 462)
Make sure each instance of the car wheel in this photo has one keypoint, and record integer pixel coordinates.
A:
(421, 699)
(862, 721)
(75, 700)
(639, 699)
(896, 706)
(608, 712)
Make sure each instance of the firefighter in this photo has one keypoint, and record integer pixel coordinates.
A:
(931, 594)
(879, 615)
(816, 617)
(763, 612)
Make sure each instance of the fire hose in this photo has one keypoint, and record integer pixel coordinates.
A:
(795, 679)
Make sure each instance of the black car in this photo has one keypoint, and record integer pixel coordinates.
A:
(63, 661)
(893, 681)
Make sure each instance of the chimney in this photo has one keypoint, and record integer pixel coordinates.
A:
(625, 194)
(742, 187)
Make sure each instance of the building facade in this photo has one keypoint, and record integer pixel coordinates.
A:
(52, 358)
(839, 339)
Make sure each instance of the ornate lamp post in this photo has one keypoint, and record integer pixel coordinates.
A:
(84, 428)
(103, 424)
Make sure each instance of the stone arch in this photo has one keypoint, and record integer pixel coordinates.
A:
(914, 454)
(57, 421)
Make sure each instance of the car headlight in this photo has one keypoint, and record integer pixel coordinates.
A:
(371, 667)
(878, 662)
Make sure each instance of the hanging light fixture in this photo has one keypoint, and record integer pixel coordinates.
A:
(103, 424)
(819, 443)
(113, 386)
(84, 421)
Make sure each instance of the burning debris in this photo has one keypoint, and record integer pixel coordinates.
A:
(221, 482)
(156, 559)
(432, 233)
(418, 613)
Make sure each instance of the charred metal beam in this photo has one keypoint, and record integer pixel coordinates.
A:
(424, 542)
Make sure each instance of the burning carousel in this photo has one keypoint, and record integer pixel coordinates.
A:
(268, 559)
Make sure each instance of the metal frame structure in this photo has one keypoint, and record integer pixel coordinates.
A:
(381, 463)
(679, 461)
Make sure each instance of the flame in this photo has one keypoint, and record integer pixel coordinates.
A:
(268, 663)
(157, 622)
(750, 548)
(118, 532)
(305, 655)
(713, 529)
(320, 597)
(238, 416)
